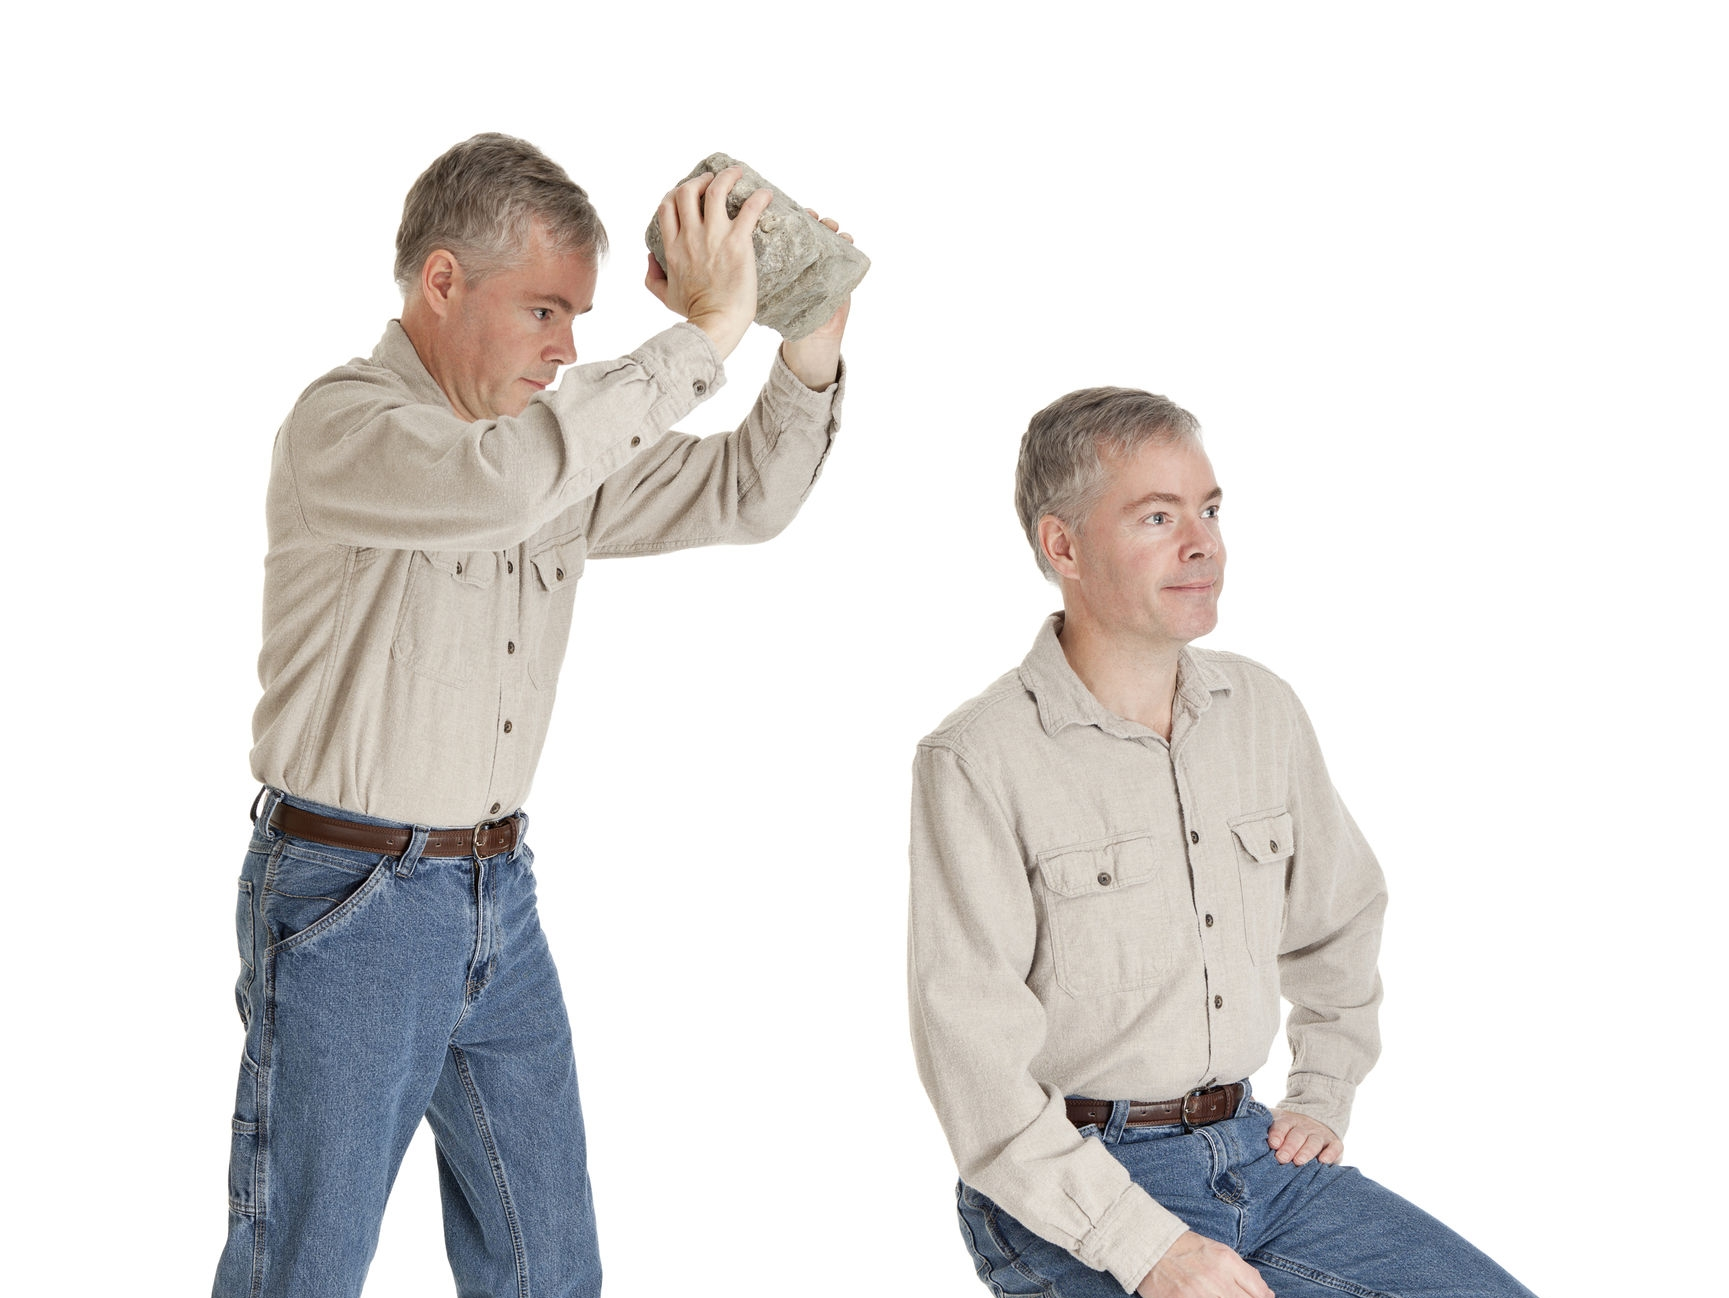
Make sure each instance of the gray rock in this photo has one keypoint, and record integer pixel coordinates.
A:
(804, 270)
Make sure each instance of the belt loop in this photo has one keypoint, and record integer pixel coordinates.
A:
(1119, 1118)
(411, 857)
(521, 833)
(263, 808)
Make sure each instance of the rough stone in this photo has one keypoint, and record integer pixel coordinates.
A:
(804, 270)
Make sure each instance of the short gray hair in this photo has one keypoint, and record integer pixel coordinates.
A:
(1061, 470)
(477, 202)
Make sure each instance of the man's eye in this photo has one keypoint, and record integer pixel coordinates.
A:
(543, 313)
(1211, 511)
(1155, 518)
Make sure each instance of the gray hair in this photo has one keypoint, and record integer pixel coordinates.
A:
(1061, 469)
(477, 201)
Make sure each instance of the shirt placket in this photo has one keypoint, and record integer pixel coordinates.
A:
(510, 654)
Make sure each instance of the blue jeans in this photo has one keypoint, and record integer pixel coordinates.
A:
(1316, 1231)
(377, 990)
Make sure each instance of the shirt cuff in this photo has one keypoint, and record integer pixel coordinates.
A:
(1325, 1099)
(789, 401)
(1128, 1241)
(685, 366)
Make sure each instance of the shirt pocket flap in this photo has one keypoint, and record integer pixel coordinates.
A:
(1265, 835)
(476, 568)
(559, 564)
(1102, 866)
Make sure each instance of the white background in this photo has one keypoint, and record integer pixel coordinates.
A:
(1446, 286)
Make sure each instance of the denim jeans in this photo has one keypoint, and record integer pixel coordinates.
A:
(377, 990)
(1316, 1231)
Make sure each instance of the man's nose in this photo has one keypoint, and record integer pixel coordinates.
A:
(562, 349)
(1200, 542)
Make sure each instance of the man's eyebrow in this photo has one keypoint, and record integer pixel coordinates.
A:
(556, 301)
(1166, 498)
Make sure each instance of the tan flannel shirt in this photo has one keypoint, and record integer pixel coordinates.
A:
(1097, 912)
(422, 569)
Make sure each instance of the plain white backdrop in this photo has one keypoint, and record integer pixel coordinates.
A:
(1445, 286)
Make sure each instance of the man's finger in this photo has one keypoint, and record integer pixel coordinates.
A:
(754, 207)
(686, 196)
(667, 215)
(719, 188)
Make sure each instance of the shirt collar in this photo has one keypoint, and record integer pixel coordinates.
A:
(395, 352)
(1064, 701)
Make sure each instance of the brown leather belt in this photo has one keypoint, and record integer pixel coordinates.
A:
(1196, 1109)
(488, 838)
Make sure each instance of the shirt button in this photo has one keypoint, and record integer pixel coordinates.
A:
(1272, 845)
(636, 441)
(1194, 837)
(510, 565)
(558, 574)
(507, 727)
(510, 646)
(1209, 921)
(1218, 1002)
(459, 570)
(700, 387)
(495, 808)
(1104, 880)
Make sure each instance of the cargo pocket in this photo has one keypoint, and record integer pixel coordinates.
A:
(1265, 844)
(244, 1196)
(547, 605)
(444, 625)
(1116, 915)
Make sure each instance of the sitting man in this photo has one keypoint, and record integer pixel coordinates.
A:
(1123, 852)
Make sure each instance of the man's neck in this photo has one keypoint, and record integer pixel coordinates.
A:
(1136, 681)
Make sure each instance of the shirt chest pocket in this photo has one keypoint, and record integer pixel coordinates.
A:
(1118, 914)
(1265, 842)
(445, 628)
(547, 601)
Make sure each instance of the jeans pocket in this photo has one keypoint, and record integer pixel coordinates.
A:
(243, 941)
(990, 1238)
(311, 889)
(243, 1194)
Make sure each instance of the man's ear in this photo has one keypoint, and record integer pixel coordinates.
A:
(1061, 546)
(440, 279)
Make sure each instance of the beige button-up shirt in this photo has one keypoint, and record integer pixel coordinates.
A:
(422, 568)
(1098, 912)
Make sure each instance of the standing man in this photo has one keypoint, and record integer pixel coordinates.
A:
(430, 511)
(1122, 854)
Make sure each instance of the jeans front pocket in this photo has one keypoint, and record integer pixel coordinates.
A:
(244, 1196)
(310, 889)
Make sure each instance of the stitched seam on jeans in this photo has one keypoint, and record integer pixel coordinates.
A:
(984, 1263)
(1010, 1253)
(1313, 1274)
(492, 1159)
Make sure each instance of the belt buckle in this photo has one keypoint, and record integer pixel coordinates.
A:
(479, 829)
(1198, 1091)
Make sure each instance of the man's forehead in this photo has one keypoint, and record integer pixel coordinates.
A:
(1162, 471)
